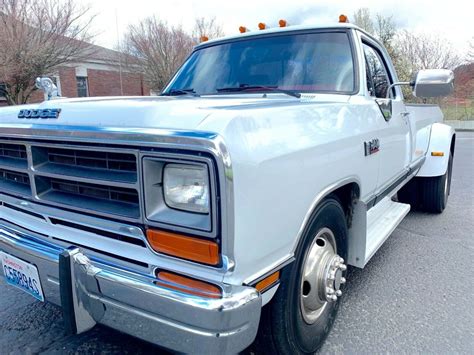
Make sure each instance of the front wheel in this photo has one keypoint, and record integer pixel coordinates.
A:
(302, 312)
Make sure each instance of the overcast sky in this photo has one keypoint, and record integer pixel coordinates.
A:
(450, 19)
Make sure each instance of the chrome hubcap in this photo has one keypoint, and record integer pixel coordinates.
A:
(322, 278)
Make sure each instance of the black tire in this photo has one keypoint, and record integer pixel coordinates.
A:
(410, 193)
(282, 327)
(435, 190)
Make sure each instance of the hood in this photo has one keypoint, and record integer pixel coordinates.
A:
(180, 113)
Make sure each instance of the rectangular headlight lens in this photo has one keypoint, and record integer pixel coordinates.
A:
(186, 187)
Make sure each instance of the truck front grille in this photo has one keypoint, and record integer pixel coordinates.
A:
(91, 179)
(15, 182)
(16, 151)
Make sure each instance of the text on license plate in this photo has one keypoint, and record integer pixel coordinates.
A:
(22, 275)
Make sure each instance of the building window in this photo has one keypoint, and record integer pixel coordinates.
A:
(82, 87)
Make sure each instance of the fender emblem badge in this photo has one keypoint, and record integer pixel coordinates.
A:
(371, 147)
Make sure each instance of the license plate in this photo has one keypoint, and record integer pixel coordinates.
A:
(22, 275)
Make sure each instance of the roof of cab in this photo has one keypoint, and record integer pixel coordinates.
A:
(255, 33)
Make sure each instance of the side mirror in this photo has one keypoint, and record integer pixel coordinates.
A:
(433, 83)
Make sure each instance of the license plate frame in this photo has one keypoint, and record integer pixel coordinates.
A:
(21, 274)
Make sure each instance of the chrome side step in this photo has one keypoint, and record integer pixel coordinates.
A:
(381, 221)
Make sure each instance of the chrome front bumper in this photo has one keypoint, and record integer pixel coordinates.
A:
(94, 291)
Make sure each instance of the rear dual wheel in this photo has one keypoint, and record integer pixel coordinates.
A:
(302, 312)
(428, 194)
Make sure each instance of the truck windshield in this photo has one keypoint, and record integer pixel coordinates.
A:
(307, 62)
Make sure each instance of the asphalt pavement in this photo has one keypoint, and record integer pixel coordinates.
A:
(416, 295)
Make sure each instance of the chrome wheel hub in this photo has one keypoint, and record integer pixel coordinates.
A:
(322, 278)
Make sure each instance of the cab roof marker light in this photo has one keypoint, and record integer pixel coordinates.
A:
(204, 39)
(343, 19)
(262, 26)
(243, 29)
(282, 23)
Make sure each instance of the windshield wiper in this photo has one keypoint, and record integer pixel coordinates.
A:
(245, 87)
(177, 92)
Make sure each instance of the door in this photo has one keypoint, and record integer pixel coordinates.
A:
(394, 135)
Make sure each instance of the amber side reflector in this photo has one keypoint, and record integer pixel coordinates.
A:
(437, 154)
(268, 281)
(242, 29)
(262, 26)
(343, 19)
(282, 23)
(188, 285)
(202, 251)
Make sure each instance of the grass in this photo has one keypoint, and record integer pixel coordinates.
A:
(461, 112)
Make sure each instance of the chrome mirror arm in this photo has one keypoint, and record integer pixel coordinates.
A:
(399, 83)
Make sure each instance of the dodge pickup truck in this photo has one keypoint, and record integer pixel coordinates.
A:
(228, 208)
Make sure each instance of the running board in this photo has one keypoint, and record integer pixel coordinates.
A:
(381, 221)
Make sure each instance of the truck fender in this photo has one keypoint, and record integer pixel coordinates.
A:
(440, 141)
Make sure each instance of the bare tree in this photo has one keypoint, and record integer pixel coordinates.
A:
(363, 19)
(36, 37)
(425, 51)
(161, 49)
(207, 27)
(385, 30)
(470, 53)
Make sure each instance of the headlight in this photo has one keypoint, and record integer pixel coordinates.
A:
(186, 187)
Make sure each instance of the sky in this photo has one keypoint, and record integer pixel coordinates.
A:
(452, 20)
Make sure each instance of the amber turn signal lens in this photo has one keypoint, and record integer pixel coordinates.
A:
(282, 23)
(202, 251)
(437, 154)
(343, 19)
(188, 285)
(262, 26)
(268, 281)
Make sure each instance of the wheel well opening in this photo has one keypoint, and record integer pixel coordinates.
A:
(347, 194)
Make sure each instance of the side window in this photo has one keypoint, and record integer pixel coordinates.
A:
(377, 76)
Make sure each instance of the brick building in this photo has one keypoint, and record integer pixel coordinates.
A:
(99, 75)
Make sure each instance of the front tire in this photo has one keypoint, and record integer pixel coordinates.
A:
(302, 312)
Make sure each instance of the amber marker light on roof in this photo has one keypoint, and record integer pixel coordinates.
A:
(243, 29)
(181, 246)
(343, 19)
(282, 23)
(261, 26)
(204, 38)
(189, 285)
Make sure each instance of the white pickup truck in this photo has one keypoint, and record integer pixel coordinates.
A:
(229, 207)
